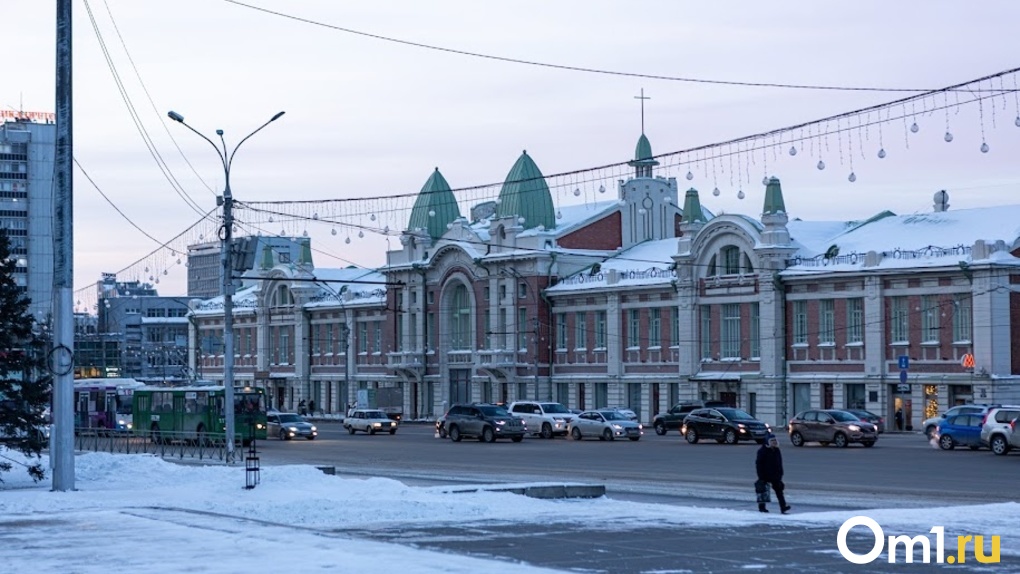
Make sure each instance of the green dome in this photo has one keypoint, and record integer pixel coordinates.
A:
(435, 207)
(525, 194)
(643, 149)
(774, 197)
(692, 208)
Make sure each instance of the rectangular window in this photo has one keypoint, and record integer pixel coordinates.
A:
(600, 329)
(400, 332)
(284, 345)
(899, 320)
(522, 328)
(755, 330)
(674, 327)
(655, 328)
(415, 343)
(731, 331)
(430, 330)
(329, 338)
(377, 342)
(962, 322)
(855, 320)
(362, 337)
(580, 330)
(929, 318)
(502, 293)
(487, 317)
(522, 290)
(705, 334)
(502, 333)
(561, 331)
(634, 328)
(826, 322)
(800, 323)
(485, 295)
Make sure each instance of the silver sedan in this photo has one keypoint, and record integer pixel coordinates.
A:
(604, 424)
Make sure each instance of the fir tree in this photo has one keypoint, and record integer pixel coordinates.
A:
(24, 391)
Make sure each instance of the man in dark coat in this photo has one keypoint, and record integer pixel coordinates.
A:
(769, 466)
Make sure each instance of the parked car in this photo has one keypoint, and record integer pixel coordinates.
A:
(1014, 434)
(673, 419)
(831, 427)
(959, 430)
(484, 421)
(289, 425)
(605, 424)
(725, 425)
(370, 421)
(870, 417)
(995, 427)
(630, 414)
(929, 425)
(545, 419)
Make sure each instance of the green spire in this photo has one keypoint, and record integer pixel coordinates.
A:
(643, 160)
(773, 198)
(435, 208)
(525, 194)
(643, 150)
(305, 258)
(267, 257)
(692, 208)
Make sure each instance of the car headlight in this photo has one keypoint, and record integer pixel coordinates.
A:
(640, 427)
(558, 421)
(292, 429)
(377, 425)
(314, 429)
(854, 428)
(500, 423)
(121, 423)
(617, 427)
(260, 426)
(740, 425)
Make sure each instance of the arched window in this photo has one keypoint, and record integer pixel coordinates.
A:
(460, 318)
(282, 297)
(748, 266)
(731, 260)
(711, 268)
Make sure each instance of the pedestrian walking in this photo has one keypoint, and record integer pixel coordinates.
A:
(769, 466)
(311, 407)
(302, 408)
(899, 419)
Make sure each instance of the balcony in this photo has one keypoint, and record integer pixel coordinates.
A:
(405, 360)
(497, 358)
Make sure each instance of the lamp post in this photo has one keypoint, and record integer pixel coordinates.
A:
(226, 237)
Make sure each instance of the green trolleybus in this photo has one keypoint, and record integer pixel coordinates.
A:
(195, 413)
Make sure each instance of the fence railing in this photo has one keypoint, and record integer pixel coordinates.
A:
(210, 447)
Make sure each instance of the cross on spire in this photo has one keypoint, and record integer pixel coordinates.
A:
(642, 98)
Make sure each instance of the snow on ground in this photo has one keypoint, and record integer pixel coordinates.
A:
(141, 513)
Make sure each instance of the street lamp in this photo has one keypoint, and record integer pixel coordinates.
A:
(226, 235)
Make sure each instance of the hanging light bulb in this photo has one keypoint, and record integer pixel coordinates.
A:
(201, 237)
(559, 214)
(157, 281)
(914, 127)
(821, 164)
(690, 175)
(305, 233)
(270, 219)
(432, 213)
(347, 241)
(948, 137)
(602, 188)
(334, 231)
(740, 194)
(386, 229)
(984, 147)
(853, 177)
(151, 277)
(146, 268)
(361, 234)
(881, 153)
(315, 216)
(178, 260)
(577, 192)
(165, 272)
(716, 192)
(793, 150)
(372, 217)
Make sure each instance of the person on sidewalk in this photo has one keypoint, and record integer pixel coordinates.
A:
(769, 466)
(899, 419)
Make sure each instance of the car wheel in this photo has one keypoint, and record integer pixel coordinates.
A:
(840, 440)
(283, 435)
(310, 438)
(442, 432)
(796, 438)
(607, 434)
(517, 438)
(692, 436)
(393, 431)
(660, 428)
(730, 436)
(455, 434)
(546, 430)
(634, 438)
(488, 435)
(999, 445)
(946, 442)
(371, 431)
(575, 433)
(930, 431)
(869, 444)
(350, 430)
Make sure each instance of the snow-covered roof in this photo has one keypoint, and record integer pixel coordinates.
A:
(349, 286)
(645, 264)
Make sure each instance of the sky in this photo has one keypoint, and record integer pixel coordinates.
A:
(128, 510)
(367, 118)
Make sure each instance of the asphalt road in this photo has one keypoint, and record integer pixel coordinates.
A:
(901, 467)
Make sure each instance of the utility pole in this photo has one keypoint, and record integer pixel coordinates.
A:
(62, 438)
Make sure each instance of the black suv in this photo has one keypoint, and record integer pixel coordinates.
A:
(484, 421)
(725, 425)
(674, 418)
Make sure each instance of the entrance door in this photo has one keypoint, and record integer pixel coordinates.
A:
(460, 386)
(728, 397)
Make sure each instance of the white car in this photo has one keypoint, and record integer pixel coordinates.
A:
(544, 419)
(607, 424)
(370, 421)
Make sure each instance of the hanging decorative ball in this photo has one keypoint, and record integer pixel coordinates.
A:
(793, 150)
(157, 281)
(914, 127)
(821, 164)
(984, 147)
(602, 188)
(386, 229)
(372, 217)
(233, 229)
(201, 237)
(948, 137)
(853, 177)
(146, 268)
(347, 241)
(165, 272)
(881, 153)
(432, 213)
(283, 232)
(765, 180)
(642, 211)
(178, 260)
(315, 216)
(559, 214)
(577, 192)
(361, 234)
(151, 277)
(334, 231)
(740, 194)
(690, 175)
(304, 233)
(1016, 122)
(520, 220)
(716, 192)
(270, 219)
